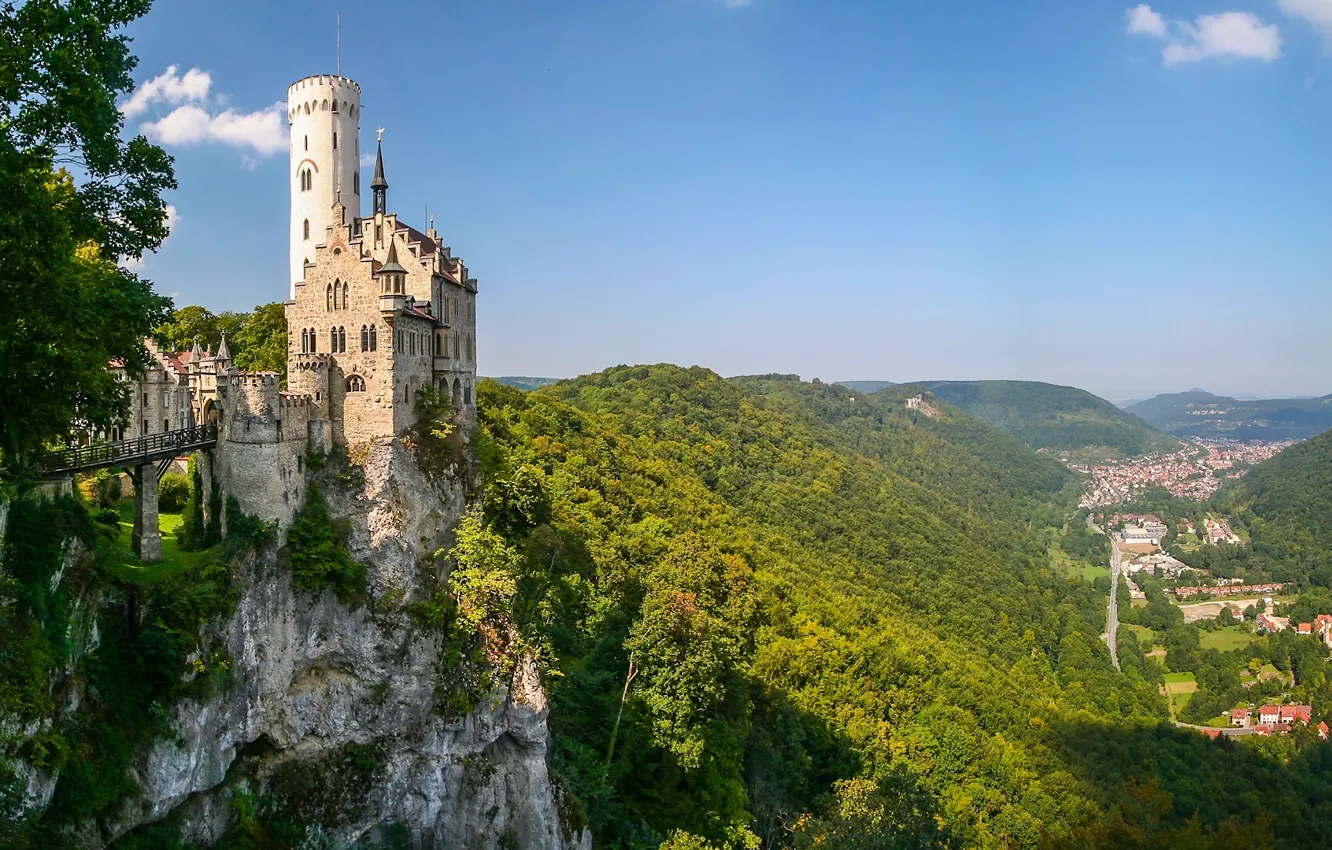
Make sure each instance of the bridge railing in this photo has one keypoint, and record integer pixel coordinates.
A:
(128, 452)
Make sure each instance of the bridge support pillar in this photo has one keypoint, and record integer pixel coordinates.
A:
(147, 533)
(203, 463)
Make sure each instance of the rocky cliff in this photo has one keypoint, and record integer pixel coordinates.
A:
(329, 717)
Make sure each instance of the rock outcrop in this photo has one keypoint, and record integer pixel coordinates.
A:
(316, 685)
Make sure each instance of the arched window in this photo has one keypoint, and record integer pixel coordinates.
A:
(457, 347)
(337, 296)
(305, 341)
(307, 109)
(346, 290)
(307, 228)
(356, 182)
(332, 340)
(328, 299)
(335, 107)
(314, 342)
(324, 106)
(374, 340)
(467, 393)
(365, 338)
(356, 384)
(342, 340)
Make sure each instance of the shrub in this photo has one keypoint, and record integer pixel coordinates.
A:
(173, 492)
(318, 554)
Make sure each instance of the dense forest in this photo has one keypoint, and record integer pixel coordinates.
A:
(1046, 416)
(824, 617)
(1285, 503)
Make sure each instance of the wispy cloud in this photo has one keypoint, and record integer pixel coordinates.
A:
(1237, 35)
(1316, 12)
(736, 4)
(168, 87)
(199, 116)
(1143, 21)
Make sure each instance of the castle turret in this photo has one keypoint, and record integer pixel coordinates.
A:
(324, 113)
(392, 286)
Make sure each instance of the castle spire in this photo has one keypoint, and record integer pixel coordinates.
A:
(222, 352)
(379, 185)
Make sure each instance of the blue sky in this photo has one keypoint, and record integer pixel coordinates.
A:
(1130, 200)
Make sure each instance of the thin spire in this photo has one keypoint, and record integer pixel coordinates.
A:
(379, 185)
(339, 42)
(222, 352)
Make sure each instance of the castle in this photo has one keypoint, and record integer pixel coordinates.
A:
(378, 311)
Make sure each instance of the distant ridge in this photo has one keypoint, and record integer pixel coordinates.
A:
(1198, 413)
(1047, 416)
(867, 387)
(526, 383)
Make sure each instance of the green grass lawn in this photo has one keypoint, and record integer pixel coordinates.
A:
(1075, 568)
(1180, 687)
(1227, 639)
(174, 559)
(1145, 635)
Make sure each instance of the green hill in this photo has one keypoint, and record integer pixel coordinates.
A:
(1201, 414)
(1286, 504)
(867, 386)
(1046, 416)
(788, 606)
(523, 382)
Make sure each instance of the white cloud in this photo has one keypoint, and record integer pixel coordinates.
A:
(168, 87)
(1316, 12)
(200, 116)
(172, 217)
(367, 160)
(1235, 34)
(1143, 21)
(260, 131)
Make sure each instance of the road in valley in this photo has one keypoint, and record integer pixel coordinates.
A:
(1112, 620)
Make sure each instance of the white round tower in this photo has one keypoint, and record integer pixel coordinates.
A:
(324, 112)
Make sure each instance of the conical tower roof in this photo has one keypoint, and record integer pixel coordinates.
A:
(222, 352)
(392, 265)
(379, 182)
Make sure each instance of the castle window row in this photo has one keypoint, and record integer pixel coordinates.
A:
(337, 296)
(369, 338)
(323, 106)
(307, 179)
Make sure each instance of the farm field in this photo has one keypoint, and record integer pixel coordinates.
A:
(1180, 687)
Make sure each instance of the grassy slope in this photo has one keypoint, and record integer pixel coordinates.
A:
(1049, 416)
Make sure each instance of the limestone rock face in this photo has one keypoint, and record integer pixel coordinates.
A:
(311, 676)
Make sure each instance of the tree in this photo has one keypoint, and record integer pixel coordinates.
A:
(66, 308)
(260, 345)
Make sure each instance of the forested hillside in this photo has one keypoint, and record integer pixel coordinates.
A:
(1046, 416)
(1201, 414)
(791, 608)
(1286, 504)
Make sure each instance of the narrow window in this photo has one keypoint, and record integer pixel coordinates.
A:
(307, 143)
(467, 393)
(356, 182)
(333, 341)
(337, 293)
(307, 228)
(374, 341)
(335, 111)
(166, 401)
(328, 299)
(365, 338)
(314, 342)
(305, 342)
(342, 340)
(146, 430)
(346, 290)
(335, 140)
(166, 425)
